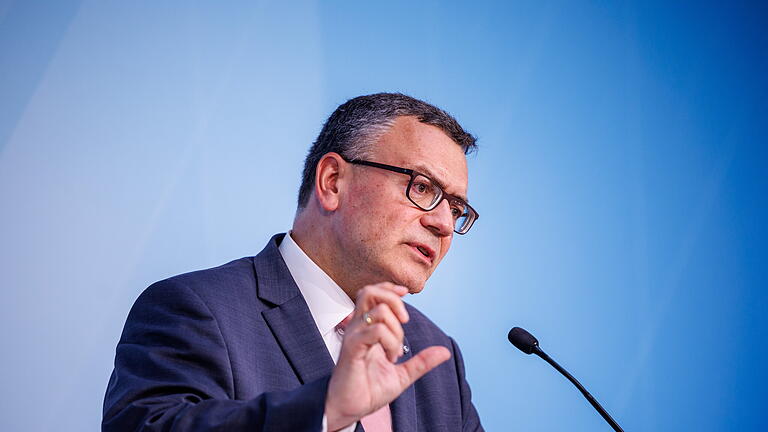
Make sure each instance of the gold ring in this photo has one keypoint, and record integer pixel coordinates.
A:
(368, 318)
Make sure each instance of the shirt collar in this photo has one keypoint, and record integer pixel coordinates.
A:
(327, 302)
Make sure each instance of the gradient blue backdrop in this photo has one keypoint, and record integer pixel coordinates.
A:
(621, 182)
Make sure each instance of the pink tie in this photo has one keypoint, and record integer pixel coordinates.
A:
(381, 419)
(378, 421)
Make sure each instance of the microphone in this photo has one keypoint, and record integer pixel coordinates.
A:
(528, 344)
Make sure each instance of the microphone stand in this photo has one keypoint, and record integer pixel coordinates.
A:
(539, 352)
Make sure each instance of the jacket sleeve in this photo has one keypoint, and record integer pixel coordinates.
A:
(172, 373)
(471, 420)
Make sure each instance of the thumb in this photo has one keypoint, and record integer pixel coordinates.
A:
(423, 362)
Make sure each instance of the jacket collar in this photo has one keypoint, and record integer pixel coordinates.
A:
(274, 283)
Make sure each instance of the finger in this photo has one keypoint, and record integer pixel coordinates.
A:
(372, 295)
(383, 313)
(397, 289)
(380, 334)
(423, 362)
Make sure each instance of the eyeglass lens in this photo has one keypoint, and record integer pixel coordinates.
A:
(427, 195)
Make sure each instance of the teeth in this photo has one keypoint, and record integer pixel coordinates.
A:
(423, 251)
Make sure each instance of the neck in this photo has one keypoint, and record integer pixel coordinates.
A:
(315, 238)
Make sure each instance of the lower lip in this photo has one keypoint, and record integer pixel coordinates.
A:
(421, 255)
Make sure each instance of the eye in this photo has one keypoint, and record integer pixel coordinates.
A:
(457, 210)
(420, 187)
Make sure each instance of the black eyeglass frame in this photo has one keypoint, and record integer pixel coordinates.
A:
(413, 173)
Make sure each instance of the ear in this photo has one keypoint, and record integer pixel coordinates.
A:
(329, 180)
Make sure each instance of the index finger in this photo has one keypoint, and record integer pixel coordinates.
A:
(385, 292)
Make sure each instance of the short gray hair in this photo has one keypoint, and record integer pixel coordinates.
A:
(358, 123)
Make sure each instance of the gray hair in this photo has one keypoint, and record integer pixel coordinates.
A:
(358, 123)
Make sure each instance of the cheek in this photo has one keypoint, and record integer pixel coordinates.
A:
(380, 208)
(379, 215)
(369, 219)
(445, 244)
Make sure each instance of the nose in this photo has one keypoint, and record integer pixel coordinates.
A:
(439, 220)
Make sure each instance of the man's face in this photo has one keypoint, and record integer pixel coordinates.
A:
(385, 235)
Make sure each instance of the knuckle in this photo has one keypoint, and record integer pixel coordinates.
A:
(399, 332)
(362, 294)
(392, 297)
(383, 309)
(378, 329)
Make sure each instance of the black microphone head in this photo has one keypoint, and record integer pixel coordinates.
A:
(523, 340)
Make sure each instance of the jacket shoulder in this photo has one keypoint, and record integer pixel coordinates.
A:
(229, 284)
(234, 273)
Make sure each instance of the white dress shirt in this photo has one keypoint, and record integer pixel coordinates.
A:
(327, 302)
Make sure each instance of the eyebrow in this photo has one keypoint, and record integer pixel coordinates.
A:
(424, 170)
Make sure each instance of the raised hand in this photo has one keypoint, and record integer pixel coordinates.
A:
(366, 377)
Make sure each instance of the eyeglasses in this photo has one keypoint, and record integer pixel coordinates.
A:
(426, 194)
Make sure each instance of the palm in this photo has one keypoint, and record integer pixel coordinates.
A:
(370, 380)
(384, 380)
(367, 376)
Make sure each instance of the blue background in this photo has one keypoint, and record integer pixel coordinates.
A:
(621, 182)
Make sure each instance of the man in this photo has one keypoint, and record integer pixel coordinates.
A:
(251, 345)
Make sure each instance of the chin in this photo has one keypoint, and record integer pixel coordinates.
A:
(415, 284)
(413, 277)
(415, 290)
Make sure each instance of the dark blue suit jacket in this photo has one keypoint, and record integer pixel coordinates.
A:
(235, 348)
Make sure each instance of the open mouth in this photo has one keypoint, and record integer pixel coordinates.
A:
(425, 252)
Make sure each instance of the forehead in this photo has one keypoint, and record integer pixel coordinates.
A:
(427, 149)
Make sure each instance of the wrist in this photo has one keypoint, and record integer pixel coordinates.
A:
(335, 419)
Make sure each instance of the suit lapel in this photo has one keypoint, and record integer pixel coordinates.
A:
(290, 320)
(294, 329)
